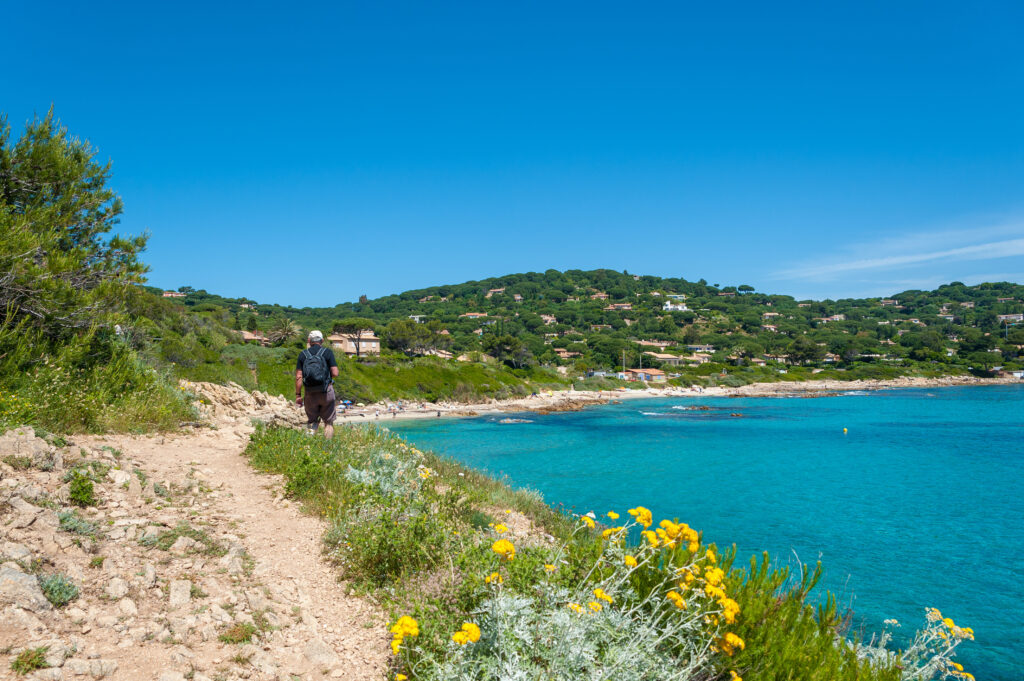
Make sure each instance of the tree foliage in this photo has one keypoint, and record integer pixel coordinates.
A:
(59, 271)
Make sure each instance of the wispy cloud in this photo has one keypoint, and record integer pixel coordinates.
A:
(906, 252)
(987, 251)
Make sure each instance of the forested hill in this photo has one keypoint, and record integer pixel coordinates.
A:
(588, 319)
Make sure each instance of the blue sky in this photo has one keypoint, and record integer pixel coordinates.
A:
(815, 149)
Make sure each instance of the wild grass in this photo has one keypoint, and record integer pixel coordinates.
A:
(58, 589)
(422, 534)
(29, 660)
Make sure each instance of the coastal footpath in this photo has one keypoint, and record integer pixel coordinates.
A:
(184, 563)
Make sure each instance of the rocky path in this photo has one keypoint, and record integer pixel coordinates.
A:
(191, 566)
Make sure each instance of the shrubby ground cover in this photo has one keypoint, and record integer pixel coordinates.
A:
(623, 596)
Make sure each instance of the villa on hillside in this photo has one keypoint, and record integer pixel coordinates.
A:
(549, 319)
(173, 294)
(770, 327)
(614, 307)
(366, 342)
(674, 307)
(600, 327)
(566, 354)
(493, 291)
(888, 302)
(969, 304)
(473, 315)
(665, 358)
(599, 296)
(833, 318)
(651, 375)
(259, 338)
(700, 348)
(655, 343)
(1019, 317)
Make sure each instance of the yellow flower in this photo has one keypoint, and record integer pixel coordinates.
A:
(630, 561)
(730, 642)
(588, 521)
(712, 558)
(933, 614)
(642, 515)
(595, 606)
(470, 633)
(603, 596)
(396, 643)
(956, 665)
(651, 538)
(494, 578)
(676, 599)
(611, 531)
(400, 677)
(549, 567)
(714, 576)
(730, 609)
(500, 528)
(613, 515)
(733, 676)
(405, 626)
(693, 546)
(948, 622)
(575, 607)
(504, 548)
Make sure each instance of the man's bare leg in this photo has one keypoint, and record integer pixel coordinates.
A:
(328, 431)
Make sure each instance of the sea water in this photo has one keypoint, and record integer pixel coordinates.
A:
(920, 503)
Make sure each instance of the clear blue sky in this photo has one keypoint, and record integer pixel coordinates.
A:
(816, 149)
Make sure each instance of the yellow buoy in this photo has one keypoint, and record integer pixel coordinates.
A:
(844, 431)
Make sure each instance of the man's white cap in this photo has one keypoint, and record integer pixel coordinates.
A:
(316, 336)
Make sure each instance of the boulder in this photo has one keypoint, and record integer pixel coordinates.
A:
(17, 588)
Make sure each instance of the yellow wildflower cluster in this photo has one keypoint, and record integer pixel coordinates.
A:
(405, 626)
(588, 521)
(729, 643)
(549, 568)
(423, 471)
(673, 534)
(933, 615)
(600, 594)
(612, 533)
(677, 599)
(493, 578)
(500, 528)
(613, 515)
(642, 515)
(630, 561)
(470, 633)
(504, 548)
(575, 607)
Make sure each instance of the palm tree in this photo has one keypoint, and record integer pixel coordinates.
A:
(283, 330)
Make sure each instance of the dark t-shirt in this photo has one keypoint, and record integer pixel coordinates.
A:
(328, 356)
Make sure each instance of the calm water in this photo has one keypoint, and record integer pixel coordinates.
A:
(920, 504)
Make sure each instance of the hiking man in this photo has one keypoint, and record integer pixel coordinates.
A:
(316, 369)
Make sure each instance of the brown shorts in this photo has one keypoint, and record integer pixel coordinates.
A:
(320, 407)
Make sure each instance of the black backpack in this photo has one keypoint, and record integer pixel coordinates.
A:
(315, 372)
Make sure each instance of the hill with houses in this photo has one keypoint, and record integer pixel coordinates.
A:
(616, 324)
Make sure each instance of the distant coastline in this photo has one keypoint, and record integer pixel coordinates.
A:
(575, 400)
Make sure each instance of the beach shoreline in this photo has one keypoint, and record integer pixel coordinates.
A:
(575, 400)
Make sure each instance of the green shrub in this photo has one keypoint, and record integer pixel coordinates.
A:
(81, 490)
(58, 589)
(70, 521)
(30, 660)
(18, 463)
(240, 632)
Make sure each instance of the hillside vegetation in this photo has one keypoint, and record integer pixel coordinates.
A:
(563, 319)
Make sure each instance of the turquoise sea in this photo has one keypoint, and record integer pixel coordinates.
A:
(920, 503)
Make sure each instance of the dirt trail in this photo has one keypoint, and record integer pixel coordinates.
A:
(127, 616)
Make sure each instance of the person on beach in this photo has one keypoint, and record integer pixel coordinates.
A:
(316, 369)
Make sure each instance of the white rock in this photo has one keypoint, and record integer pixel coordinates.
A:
(102, 668)
(127, 607)
(181, 593)
(320, 654)
(22, 590)
(117, 588)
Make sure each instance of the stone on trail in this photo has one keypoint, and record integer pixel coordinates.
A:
(17, 588)
(117, 588)
(181, 593)
(320, 654)
(183, 545)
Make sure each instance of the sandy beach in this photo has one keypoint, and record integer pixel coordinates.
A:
(574, 400)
